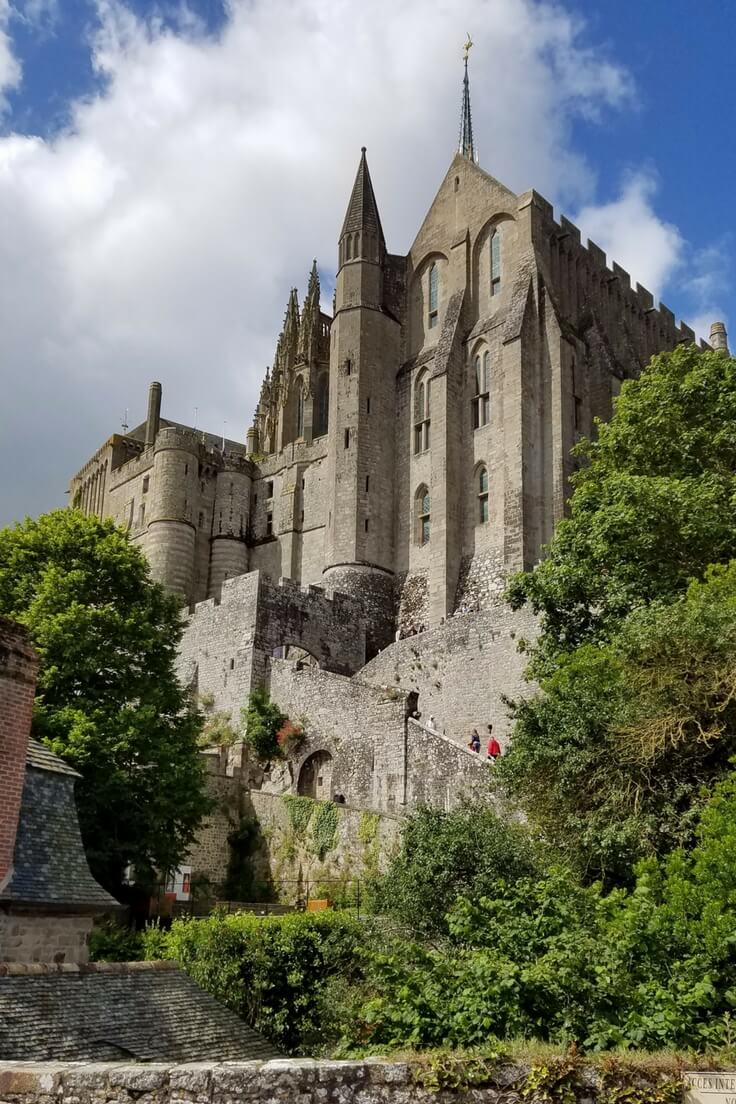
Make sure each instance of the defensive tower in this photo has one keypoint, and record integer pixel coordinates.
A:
(364, 359)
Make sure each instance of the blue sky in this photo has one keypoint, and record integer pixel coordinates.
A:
(168, 172)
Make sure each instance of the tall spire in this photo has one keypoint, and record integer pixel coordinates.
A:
(465, 143)
(362, 213)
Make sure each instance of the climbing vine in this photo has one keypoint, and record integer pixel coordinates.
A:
(324, 828)
(300, 811)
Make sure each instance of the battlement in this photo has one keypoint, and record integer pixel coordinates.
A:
(592, 257)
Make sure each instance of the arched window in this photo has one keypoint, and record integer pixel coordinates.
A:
(321, 405)
(482, 399)
(300, 409)
(421, 502)
(482, 494)
(495, 261)
(421, 413)
(434, 296)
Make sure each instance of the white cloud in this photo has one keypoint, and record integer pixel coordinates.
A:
(655, 253)
(39, 14)
(633, 234)
(10, 67)
(159, 235)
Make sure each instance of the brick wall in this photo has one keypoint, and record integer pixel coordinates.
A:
(18, 670)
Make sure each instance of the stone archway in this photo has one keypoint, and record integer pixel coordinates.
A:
(315, 777)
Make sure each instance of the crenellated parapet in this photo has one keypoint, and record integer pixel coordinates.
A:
(590, 291)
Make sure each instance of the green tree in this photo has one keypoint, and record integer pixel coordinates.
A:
(445, 854)
(614, 759)
(655, 505)
(108, 698)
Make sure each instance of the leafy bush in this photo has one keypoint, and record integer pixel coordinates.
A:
(445, 854)
(111, 942)
(262, 720)
(273, 971)
(290, 737)
(547, 958)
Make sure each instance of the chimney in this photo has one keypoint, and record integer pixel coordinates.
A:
(154, 413)
(18, 671)
(719, 338)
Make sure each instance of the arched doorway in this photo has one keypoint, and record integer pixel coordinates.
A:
(315, 777)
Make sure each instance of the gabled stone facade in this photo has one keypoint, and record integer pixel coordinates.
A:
(407, 453)
(416, 446)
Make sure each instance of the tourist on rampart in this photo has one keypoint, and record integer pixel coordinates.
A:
(494, 748)
(474, 744)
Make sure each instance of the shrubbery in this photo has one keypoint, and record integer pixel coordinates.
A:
(548, 958)
(263, 720)
(273, 971)
(443, 855)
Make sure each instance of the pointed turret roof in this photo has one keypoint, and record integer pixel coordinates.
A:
(362, 213)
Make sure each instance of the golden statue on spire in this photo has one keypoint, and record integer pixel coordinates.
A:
(466, 47)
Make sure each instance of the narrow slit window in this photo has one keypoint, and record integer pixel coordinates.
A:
(421, 414)
(433, 295)
(483, 495)
(347, 438)
(495, 262)
(423, 516)
(482, 398)
(269, 525)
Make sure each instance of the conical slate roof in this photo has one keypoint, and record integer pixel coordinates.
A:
(362, 213)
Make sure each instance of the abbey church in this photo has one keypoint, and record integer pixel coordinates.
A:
(407, 453)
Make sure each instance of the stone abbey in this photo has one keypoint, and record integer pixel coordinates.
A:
(406, 454)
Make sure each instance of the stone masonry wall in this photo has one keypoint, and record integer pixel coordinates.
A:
(227, 645)
(284, 863)
(280, 1081)
(461, 669)
(361, 727)
(364, 843)
(40, 938)
(18, 668)
(439, 771)
(216, 651)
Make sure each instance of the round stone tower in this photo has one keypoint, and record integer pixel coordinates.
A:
(170, 538)
(229, 554)
(361, 469)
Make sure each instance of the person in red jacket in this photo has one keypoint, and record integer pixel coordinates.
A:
(494, 748)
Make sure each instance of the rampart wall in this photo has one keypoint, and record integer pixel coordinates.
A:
(227, 644)
(461, 670)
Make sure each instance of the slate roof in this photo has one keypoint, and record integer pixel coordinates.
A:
(362, 212)
(148, 1011)
(41, 758)
(49, 864)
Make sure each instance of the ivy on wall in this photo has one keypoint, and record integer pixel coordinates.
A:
(300, 811)
(324, 829)
(314, 823)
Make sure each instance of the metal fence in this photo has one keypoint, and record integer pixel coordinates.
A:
(286, 895)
